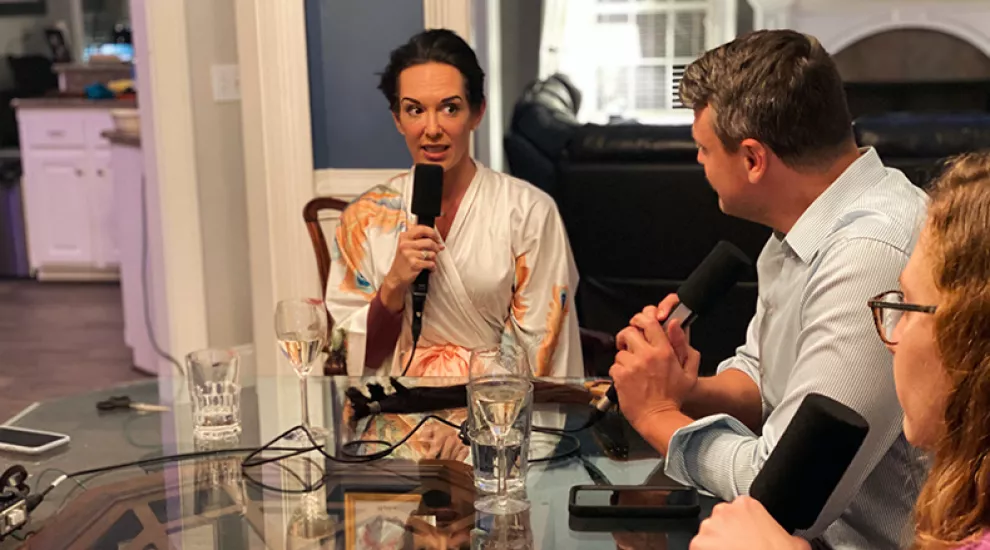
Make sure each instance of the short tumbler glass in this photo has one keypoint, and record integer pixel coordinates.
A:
(215, 392)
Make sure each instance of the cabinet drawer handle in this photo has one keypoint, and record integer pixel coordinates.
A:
(56, 133)
(79, 172)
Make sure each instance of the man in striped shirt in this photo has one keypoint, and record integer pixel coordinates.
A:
(775, 137)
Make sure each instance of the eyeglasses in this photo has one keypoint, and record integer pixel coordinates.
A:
(888, 308)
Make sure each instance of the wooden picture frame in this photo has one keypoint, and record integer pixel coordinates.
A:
(22, 7)
(366, 513)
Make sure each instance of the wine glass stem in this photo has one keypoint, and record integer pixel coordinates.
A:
(503, 493)
(304, 395)
(308, 466)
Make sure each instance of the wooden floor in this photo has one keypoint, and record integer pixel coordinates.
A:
(58, 339)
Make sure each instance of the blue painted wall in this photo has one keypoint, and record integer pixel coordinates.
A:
(348, 44)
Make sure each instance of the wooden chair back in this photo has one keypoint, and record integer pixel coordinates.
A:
(311, 216)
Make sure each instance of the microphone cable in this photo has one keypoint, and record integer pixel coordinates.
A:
(253, 458)
(417, 328)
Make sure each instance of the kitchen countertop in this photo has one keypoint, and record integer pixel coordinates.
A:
(120, 137)
(57, 102)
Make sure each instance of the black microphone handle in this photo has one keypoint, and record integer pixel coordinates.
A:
(681, 312)
(421, 285)
(422, 282)
(428, 221)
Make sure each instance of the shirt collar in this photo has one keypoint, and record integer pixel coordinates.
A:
(818, 221)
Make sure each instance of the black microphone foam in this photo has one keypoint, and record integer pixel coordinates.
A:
(811, 457)
(427, 192)
(426, 205)
(706, 285)
(713, 278)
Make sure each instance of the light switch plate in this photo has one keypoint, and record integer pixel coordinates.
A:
(226, 83)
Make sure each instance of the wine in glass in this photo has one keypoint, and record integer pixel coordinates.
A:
(500, 388)
(301, 330)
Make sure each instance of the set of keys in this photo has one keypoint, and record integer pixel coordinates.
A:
(118, 402)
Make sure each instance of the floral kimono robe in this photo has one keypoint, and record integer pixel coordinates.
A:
(506, 277)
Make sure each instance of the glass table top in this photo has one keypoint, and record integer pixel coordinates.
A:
(403, 501)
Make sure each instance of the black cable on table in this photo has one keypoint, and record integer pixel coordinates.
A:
(168, 458)
(292, 473)
(253, 460)
(26, 536)
(57, 471)
(94, 472)
(564, 436)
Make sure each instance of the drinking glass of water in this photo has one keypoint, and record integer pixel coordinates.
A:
(301, 329)
(502, 532)
(501, 394)
(215, 391)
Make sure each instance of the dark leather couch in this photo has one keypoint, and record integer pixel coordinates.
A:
(640, 214)
(919, 143)
(641, 217)
(543, 122)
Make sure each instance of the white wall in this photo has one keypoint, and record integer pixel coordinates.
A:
(521, 27)
(844, 4)
(217, 134)
(348, 44)
(838, 24)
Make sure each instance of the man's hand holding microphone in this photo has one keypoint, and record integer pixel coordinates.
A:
(655, 368)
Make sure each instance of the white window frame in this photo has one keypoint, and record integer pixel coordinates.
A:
(720, 26)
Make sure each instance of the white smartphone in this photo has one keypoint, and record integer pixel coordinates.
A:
(23, 440)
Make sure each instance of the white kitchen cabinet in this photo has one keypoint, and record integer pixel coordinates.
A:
(69, 192)
(58, 203)
(104, 212)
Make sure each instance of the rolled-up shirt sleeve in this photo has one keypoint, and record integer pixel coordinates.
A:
(717, 453)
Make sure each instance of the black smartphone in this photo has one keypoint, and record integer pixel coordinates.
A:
(641, 501)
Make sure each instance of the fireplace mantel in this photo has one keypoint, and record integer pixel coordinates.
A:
(839, 23)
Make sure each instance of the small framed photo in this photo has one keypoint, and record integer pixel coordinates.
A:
(377, 521)
(22, 7)
(58, 45)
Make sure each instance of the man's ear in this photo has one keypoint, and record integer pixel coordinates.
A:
(756, 159)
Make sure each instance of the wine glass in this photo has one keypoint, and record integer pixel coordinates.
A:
(310, 520)
(301, 329)
(499, 387)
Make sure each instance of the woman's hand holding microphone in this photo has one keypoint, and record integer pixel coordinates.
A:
(417, 250)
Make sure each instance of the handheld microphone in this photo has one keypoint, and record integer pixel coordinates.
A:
(427, 192)
(809, 460)
(706, 285)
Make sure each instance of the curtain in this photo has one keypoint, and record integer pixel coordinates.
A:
(552, 35)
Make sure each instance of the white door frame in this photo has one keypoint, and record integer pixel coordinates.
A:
(448, 14)
(278, 156)
(175, 246)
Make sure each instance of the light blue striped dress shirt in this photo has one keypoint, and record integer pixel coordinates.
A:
(812, 332)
